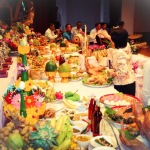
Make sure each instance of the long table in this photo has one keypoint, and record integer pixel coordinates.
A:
(4, 82)
(58, 86)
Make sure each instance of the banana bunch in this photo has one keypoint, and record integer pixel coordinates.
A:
(69, 104)
(64, 128)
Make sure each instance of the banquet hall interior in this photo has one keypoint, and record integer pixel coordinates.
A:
(74, 74)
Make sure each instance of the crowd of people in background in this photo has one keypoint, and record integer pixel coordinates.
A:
(98, 35)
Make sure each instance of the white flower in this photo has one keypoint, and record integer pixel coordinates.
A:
(22, 85)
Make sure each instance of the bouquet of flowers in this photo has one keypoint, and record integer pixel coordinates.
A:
(11, 44)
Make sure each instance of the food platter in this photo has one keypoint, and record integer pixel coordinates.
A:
(97, 81)
(118, 99)
(75, 80)
(110, 139)
(97, 86)
(104, 148)
(119, 116)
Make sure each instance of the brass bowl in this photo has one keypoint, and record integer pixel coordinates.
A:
(65, 76)
(51, 76)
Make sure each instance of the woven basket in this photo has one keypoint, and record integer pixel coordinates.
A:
(36, 74)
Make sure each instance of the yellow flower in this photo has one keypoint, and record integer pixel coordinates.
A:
(17, 83)
(28, 85)
(23, 49)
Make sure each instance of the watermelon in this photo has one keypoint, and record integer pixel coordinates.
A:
(50, 66)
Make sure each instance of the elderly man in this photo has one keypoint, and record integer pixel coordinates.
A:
(94, 32)
(50, 32)
(77, 29)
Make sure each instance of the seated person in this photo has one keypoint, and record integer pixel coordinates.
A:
(67, 34)
(50, 33)
(77, 29)
(93, 33)
(59, 37)
(103, 37)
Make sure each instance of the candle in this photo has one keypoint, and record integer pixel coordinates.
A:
(85, 30)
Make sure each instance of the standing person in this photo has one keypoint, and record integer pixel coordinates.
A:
(50, 32)
(93, 33)
(67, 34)
(58, 19)
(146, 84)
(121, 60)
(121, 24)
(77, 29)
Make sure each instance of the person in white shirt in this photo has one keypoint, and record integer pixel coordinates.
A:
(104, 37)
(93, 33)
(77, 29)
(50, 32)
(146, 84)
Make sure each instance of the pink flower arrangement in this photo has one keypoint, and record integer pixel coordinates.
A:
(10, 44)
(16, 101)
(96, 47)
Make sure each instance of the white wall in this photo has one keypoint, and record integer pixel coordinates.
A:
(104, 11)
(142, 16)
(128, 15)
(61, 4)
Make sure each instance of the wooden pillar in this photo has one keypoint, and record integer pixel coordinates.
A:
(44, 14)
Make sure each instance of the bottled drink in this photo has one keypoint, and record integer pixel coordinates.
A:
(61, 60)
(96, 118)
(91, 107)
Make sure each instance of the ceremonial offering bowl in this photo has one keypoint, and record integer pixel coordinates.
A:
(65, 76)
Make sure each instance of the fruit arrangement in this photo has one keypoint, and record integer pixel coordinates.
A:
(50, 94)
(54, 134)
(12, 137)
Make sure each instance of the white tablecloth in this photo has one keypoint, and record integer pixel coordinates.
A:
(4, 82)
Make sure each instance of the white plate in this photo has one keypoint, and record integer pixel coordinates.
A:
(104, 148)
(74, 80)
(97, 86)
(110, 139)
(81, 124)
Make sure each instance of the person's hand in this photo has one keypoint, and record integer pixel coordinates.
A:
(111, 73)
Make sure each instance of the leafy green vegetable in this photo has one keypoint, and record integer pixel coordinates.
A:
(68, 94)
(84, 80)
(109, 111)
(77, 96)
(110, 80)
(129, 136)
(72, 96)
(148, 107)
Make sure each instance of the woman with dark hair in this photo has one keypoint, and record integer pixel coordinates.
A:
(121, 60)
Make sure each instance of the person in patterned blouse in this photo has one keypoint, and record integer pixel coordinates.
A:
(121, 61)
